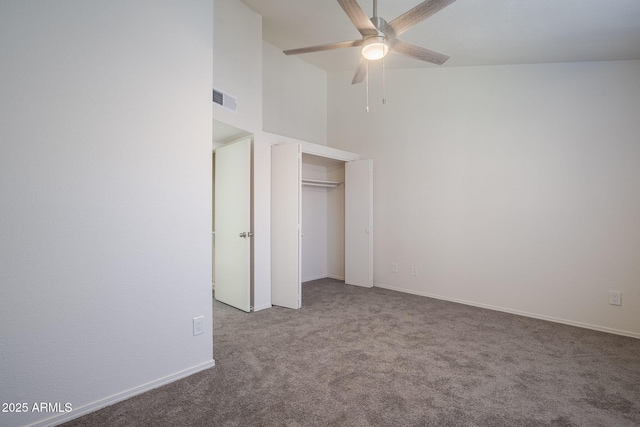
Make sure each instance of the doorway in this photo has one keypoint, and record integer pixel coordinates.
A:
(231, 227)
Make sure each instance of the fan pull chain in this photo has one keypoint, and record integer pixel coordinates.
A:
(384, 99)
(367, 84)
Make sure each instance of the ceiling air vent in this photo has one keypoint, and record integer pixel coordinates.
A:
(225, 100)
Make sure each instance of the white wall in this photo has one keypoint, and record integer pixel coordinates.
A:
(294, 96)
(237, 63)
(105, 182)
(515, 187)
(279, 94)
(314, 224)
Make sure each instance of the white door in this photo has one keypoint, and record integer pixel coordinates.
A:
(286, 184)
(232, 224)
(358, 223)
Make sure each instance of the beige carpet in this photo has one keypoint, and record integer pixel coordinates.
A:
(373, 357)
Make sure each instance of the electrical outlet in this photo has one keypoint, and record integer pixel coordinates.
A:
(394, 267)
(414, 270)
(615, 297)
(198, 325)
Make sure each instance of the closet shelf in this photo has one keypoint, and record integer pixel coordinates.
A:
(318, 183)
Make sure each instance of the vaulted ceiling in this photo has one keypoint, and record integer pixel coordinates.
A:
(472, 32)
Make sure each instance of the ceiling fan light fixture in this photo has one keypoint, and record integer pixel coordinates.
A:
(375, 48)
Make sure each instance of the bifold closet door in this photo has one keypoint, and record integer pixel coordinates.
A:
(232, 224)
(358, 223)
(286, 185)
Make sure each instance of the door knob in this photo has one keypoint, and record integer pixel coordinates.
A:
(243, 234)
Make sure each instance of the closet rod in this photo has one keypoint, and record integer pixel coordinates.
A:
(310, 184)
(318, 183)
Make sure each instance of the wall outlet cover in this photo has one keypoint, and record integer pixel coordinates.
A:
(198, 325)
(615, 297)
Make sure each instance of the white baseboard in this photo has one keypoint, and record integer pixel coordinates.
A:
(115, 398)
(518, 312)
(308, 279)
(324, 276)
(262, 307)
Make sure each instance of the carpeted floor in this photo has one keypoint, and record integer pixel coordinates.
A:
(373, 357)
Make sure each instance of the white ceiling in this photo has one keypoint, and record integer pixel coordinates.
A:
(472, 32)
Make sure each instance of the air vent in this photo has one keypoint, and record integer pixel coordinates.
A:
(225, 100)
(218, 97)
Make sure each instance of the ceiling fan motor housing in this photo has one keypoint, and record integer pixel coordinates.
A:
(379, 23)
(376, 46)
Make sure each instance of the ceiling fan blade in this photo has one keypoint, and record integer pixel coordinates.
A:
(414, 16)
(358, 17)
(318, 48)
(361, 71)
(417, 52)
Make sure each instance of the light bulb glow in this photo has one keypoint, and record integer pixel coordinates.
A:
(375, 48)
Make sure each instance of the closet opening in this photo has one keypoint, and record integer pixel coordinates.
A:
(321, 222)
(323, 216)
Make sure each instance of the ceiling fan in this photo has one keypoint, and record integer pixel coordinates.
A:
(379, 36)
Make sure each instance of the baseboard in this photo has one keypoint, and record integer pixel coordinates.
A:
(517, 312)
(262, 307)
(326, 276)
(308, 279)
(108, 401)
